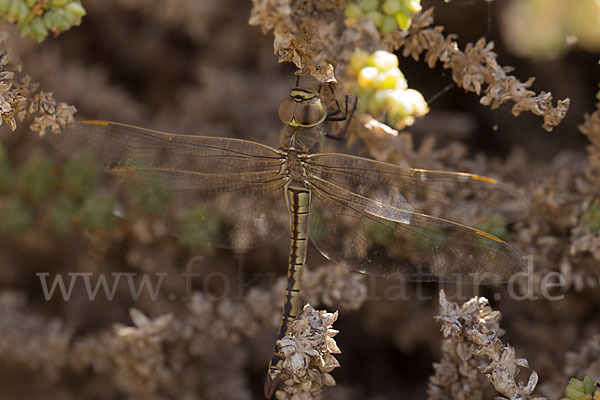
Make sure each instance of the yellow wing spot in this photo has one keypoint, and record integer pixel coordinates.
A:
(487, 235)
(415, 171)
(93, 122)
(484, 179)
(124, 169)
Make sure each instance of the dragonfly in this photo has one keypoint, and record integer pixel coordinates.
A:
(373, 217)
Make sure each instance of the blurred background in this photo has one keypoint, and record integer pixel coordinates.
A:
(197, 67)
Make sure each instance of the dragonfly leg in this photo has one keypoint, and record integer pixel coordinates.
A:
(338, 109)
(342, 134)
(331, 117)
(271, 384)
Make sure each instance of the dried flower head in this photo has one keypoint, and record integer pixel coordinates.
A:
(20, 99)
(475, 69)
(471, 331)
(334, 285)
(308, 355)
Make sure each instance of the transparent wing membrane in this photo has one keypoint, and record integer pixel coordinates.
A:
(238, 219)
(459, 197)
(372, 217)
(174, 161)
(226, 192)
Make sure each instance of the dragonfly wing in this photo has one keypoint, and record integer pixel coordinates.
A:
(239, 219)
(459, 197)
(177, 162)
(212, 189)
(376, 238)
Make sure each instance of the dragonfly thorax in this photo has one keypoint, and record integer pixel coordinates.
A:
(303, 107)
(295, 168)
(302, 140)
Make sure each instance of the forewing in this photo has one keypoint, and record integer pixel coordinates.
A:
(458, 197)
(377, 238)
(227, 192)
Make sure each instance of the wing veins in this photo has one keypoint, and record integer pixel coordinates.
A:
(425, 217)
(163, 137)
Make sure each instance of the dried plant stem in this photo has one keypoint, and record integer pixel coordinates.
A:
(472, 331)
(475, 69)
(20, 98)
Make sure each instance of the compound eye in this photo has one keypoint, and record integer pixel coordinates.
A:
(286, 111)
(310, 114)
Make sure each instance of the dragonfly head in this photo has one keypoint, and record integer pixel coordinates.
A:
(303, 107)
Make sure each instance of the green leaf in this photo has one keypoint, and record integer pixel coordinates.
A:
(4, 6)
(38, 27)
(575, 389)
(150, 199)
(591, 217)
(403, 21)
(15, 216)
(368, 5)
(75, 9)
(48, 19)
(97, 212)
(429, 240)
(318, 228)
(13, 10)
(378, 230)
(353, 11)
(199, 227)
(62, 213)
(79, 176)
(588, 385)
(388, 25)
(6, 177)
(38, 176)
(495, 225)
(23, 13)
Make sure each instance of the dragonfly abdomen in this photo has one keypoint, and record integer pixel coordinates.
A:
(298, 199)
